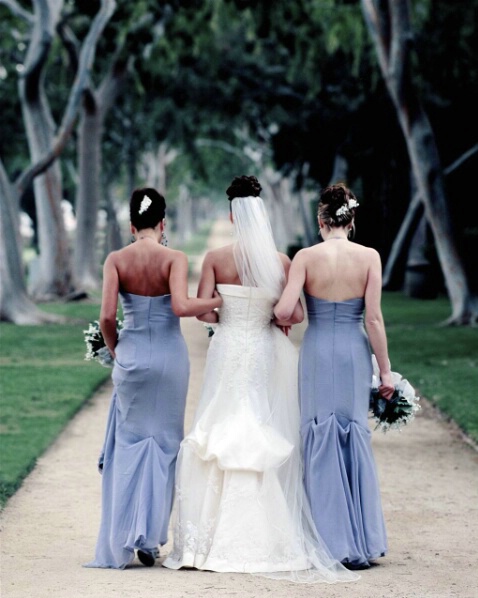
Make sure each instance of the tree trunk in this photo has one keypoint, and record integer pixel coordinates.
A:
(54, 265)
(393, 272)
(422, 273)
(113, 238)
(280, 208)
(85, 263)
(308, 219)
(96, 105)
(154, 167)
(389, 25)
(54, 277)
(15, 305)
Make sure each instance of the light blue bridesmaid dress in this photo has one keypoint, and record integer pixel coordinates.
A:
(143, 432)
(335, 373)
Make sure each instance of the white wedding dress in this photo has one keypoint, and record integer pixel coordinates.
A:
(240, 504)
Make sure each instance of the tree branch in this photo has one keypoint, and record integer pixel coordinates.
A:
(38, 49)
(18, 11)
(80, 84)
(459, 161)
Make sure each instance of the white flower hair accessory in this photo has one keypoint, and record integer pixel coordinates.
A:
(145, 203)
(342, 210)
(351, 203)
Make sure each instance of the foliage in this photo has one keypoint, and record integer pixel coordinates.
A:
(299, 79)
(13, 146)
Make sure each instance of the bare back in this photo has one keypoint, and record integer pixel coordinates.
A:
(337, 270)
(144, 268)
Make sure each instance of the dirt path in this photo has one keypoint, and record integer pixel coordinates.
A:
(429, 481)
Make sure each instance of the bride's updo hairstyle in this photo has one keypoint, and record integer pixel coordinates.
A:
(147, 208)
(243, 186)
(337, 205)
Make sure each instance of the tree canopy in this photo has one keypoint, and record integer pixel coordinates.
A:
(297, 82)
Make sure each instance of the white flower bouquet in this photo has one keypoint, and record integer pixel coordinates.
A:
(96, 349)
(398, 411)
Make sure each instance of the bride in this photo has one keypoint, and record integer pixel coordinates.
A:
(240, 504)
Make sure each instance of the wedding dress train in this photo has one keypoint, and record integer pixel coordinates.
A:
(240, 505)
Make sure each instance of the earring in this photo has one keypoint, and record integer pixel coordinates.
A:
(132, 239)
(164, 239)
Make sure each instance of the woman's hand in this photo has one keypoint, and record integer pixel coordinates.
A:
(216, 295)
(386, 388)
(282, 326)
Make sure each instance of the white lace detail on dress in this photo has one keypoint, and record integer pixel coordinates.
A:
(239, 502)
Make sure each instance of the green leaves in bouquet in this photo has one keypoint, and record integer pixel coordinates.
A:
(95, 341)
(394, 412)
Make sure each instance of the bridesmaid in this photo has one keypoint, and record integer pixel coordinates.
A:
(150, 377)
(340, 279)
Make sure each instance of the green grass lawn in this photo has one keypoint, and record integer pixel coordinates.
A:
(44, 379)
(440, 362)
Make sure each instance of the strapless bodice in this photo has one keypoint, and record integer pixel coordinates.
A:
(339, 312)
(243, 307)
(140, 311)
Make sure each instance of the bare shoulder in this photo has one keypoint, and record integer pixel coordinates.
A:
(368, 252)
(215, 255)
(174, 258)
(176, 254)
(285, 259)
(364, 248)
(372, 254)
(308, 253)
(114, 257)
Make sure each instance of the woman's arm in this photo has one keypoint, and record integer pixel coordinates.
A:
(375, 325)
(109, 303)
(182, 304)
(207, 288)
(288, 309)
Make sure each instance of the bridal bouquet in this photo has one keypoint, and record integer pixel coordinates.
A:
(96, 348)
(397, 411)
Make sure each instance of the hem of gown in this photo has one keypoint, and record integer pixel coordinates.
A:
(291, 572)
(97, 565)
(101, 565)
(347, 442)
(362, 560)
(194, 561)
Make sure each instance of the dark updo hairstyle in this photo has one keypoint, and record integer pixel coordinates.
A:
(333, 199)
(243, 186)
(143, 215)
